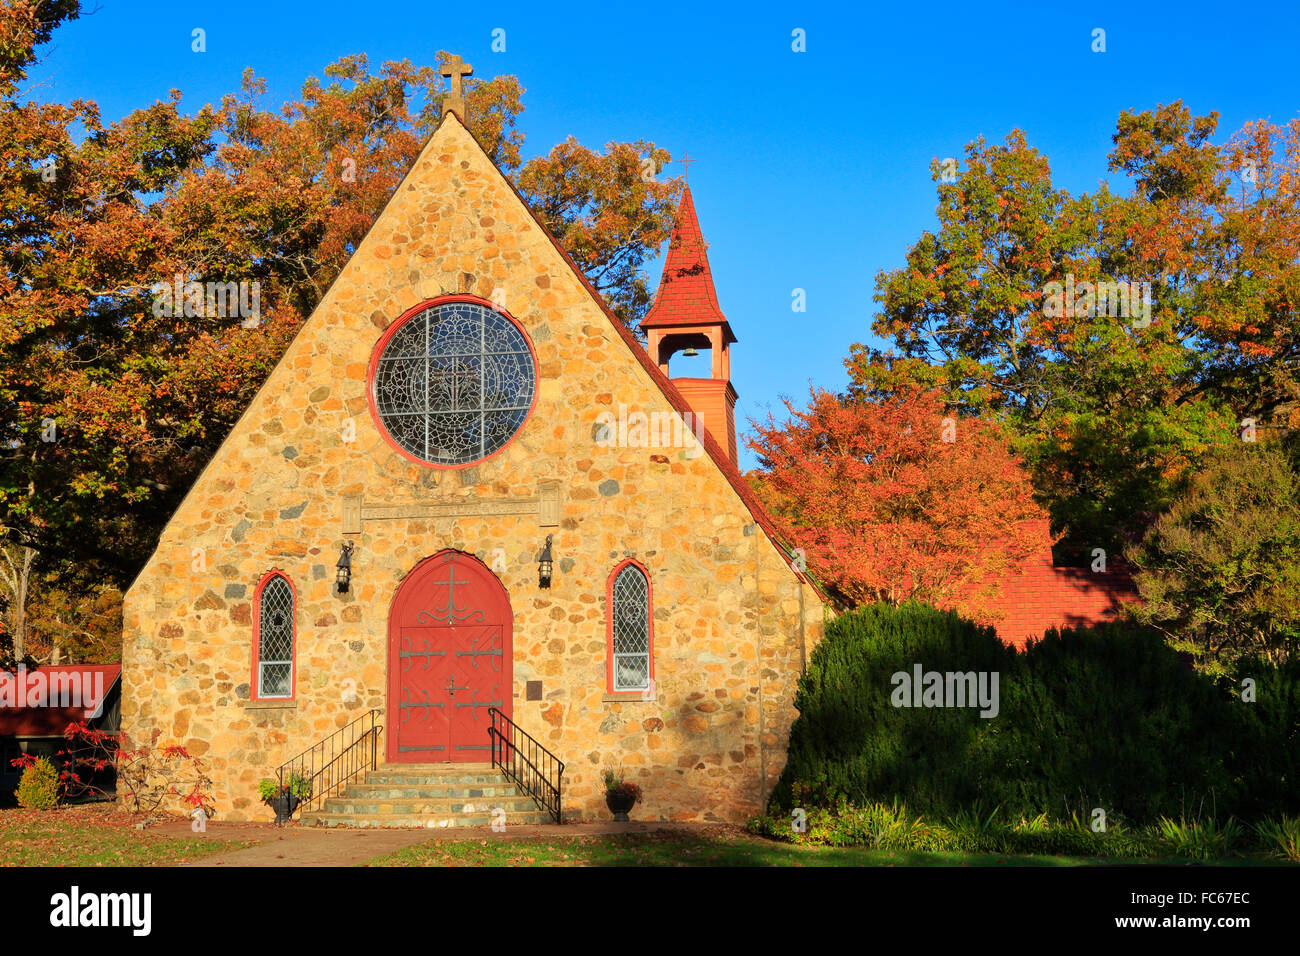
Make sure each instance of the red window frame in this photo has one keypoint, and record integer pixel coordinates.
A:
(609, 632)
(255, 683)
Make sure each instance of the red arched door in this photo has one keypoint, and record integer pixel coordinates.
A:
(449, 660)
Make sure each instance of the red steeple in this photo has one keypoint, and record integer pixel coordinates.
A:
(685, 315)
(686, 295)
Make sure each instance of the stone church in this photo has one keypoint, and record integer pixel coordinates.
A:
(450, 505)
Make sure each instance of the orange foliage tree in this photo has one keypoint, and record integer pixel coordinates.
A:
(112, 401)
(895, 499)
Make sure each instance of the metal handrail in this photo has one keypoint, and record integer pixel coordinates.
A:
(335, 760)
(518, 754)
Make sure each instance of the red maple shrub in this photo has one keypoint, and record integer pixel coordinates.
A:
(897, 499)
(146, 776)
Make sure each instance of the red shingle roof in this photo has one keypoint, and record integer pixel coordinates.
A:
(686, 295)
(1039, 595)
(45, 721)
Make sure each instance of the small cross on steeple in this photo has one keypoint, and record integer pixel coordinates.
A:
(686, 164)
(455, 69)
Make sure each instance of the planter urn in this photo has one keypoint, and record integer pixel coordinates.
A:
(284, 806)
(619, 804)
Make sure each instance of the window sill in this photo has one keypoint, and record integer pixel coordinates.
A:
(269, 704)
(627, 697)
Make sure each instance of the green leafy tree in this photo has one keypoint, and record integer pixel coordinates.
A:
(1219, 573)
(1112, 402)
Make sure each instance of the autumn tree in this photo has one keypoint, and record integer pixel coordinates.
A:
(1111, 401)
(24, 26)
(610, 212)
(898, 499)
(109, 406)
(76, 627)
(16, 581)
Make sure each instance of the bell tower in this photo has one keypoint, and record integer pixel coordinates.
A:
(685, 317)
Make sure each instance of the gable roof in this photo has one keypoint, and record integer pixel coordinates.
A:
(686, 295)
(670, 391)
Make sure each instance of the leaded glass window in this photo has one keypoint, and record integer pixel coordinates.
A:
(630, 597)
(454, 383)
(275, 639)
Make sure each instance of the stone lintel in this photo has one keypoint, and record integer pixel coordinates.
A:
(545, 504)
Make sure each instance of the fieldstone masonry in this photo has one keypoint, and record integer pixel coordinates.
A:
(733, 623)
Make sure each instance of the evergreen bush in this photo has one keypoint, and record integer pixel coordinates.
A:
(38, 787)
(1102, 717)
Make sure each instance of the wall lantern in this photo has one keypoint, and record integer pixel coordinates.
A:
(344, 579)
(544, 565)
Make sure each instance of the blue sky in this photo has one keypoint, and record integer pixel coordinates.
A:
(813, 167)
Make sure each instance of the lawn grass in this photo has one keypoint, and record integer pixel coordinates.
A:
(94, 836)
(674, 848)
(102, 836)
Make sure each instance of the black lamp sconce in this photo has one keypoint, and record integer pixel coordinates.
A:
(544, 565)
(344, 578)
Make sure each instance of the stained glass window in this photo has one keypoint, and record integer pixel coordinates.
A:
(630, 607)
(454, 383)
(275, 639)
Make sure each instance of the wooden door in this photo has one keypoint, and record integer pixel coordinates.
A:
(449, 660)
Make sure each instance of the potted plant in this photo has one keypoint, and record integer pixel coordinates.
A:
(285, 799)
(620, 796)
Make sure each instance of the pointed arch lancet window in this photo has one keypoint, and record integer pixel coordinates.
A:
(274, 641)
(631, 664)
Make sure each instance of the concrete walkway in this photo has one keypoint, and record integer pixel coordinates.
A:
(320, 846)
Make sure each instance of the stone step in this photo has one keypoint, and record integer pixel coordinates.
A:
(417, 821)
(466, 791)
(428, 796)
(437, 768)
(414, 776)
(444, 806)
(450, 780)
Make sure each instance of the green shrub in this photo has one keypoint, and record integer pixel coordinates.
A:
(1110, 717)
(1103, 717)
(1281, 838)
(1078, 839)
(1263, 750)
(877, 825)
(38, 787)
(849, 744)
(1199, 839)
(891, 827)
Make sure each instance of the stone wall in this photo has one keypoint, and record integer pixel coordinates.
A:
(729, 640)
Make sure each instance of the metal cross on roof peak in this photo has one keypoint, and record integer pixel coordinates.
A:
(686, 164)
(455, 69)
